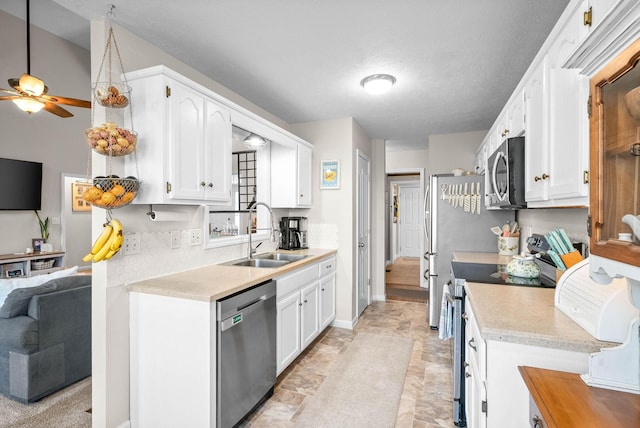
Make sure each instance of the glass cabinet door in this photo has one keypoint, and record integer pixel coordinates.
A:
(615, 159)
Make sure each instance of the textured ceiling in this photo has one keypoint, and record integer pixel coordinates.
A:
(456, 62)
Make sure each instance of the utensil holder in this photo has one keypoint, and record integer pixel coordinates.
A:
(508, 245)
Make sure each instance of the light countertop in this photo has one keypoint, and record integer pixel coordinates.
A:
(214, 282)
(528, 316)
(475, 257)
(523, 315)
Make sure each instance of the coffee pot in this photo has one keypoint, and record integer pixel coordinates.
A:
(293, 233)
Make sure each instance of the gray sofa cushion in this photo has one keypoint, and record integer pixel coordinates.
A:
(17, 302)
(19, 333)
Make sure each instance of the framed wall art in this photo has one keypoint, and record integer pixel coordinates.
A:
(330, 174)
(77, 202)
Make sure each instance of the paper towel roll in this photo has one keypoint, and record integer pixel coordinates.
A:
(165, 216)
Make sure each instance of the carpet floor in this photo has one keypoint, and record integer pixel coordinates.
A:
(64, 409)
(402, 281)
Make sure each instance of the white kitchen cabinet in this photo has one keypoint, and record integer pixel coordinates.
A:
(183, 154)
(297, 321)
(557, 162)
(536, 140)
(475, 373)
(511, 122)
(310, 316)
(288, 328)
(305, 301)
(291, 165)
(327, 283)
(495, 394)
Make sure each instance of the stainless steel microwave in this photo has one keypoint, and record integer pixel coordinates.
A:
(506, 175)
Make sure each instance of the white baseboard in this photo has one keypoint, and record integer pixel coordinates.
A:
(343, 324)
(379, 297)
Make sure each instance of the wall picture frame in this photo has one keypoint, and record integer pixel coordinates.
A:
(36, 244)
(330, 174)
(77, 201)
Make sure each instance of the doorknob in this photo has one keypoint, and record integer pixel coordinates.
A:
(361, 244)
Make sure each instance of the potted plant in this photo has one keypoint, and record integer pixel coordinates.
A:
(44, 226)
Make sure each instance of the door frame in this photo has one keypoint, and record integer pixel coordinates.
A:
(395, 253)
(359, 310)
(407, 171)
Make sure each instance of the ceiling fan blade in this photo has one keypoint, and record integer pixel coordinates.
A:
(8, 97)
(14, 83)
(56, 109)
(68, 101)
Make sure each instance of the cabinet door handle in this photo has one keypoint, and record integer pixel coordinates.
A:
(322, 289)
(300, 304)
(466, 364)
(537, 422)
(328, 266)
(305, 300)
(545, 176)
(301, 195)
(210, 184)
(202, 183)
(465, 316)
(536, 178)
(472, 344)
(467, 374)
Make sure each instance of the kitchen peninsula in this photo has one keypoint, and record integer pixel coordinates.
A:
(174, 333)
(509, 326)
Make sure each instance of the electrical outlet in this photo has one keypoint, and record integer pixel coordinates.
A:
(175, 239)
(131, 244)
(195, 237)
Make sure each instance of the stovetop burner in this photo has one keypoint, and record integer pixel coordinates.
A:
(495, 274)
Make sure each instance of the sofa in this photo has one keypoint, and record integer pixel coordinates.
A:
(45, 337)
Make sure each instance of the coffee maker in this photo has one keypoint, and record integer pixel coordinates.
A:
(293, 233)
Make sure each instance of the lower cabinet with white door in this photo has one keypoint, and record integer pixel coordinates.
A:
(305, 303)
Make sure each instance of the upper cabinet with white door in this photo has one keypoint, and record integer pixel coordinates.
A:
(291, 164)
(184, 149)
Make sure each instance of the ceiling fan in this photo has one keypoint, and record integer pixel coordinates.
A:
(30, 93)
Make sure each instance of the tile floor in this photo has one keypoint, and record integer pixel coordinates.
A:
(426, 400)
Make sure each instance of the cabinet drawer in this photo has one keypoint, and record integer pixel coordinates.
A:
(293, 281)
(327, 266)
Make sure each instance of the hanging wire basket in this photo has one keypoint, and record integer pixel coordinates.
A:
(109, 138)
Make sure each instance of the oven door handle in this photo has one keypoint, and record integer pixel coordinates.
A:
(451, 300)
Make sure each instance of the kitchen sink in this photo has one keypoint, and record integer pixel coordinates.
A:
(281, 257)
(264, 263)
(267, 260)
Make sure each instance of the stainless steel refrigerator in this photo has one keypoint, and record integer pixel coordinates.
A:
(456, 220)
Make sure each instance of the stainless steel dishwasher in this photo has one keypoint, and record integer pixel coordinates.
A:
(246, 352)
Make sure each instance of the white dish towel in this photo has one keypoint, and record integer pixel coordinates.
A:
(445, 330)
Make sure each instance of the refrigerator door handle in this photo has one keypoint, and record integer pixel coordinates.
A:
(427, 217)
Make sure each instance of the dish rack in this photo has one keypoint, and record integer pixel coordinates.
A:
(42, 264)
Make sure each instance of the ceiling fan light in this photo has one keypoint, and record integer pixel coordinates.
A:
(28, 104)
(31, 85)
(378, 83)
(254, 141)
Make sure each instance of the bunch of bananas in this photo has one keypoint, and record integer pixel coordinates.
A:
(108, 243)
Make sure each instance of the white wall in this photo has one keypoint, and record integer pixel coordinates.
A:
(450, 151)
(43, 137)
(409, 159)
(334, 210)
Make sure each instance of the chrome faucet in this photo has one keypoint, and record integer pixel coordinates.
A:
(251, 251)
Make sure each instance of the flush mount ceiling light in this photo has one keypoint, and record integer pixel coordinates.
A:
(254, 141)
(378, 83)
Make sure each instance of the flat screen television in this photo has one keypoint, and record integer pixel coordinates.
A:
(20, 184)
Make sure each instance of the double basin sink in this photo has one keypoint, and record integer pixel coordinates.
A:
(267, 260)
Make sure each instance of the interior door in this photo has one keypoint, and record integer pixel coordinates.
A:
(363, 227)
(409, 227)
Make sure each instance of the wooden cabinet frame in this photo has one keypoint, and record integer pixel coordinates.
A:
(602, 232)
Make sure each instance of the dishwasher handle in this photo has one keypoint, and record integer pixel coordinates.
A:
(253, 302)
(238, 317)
